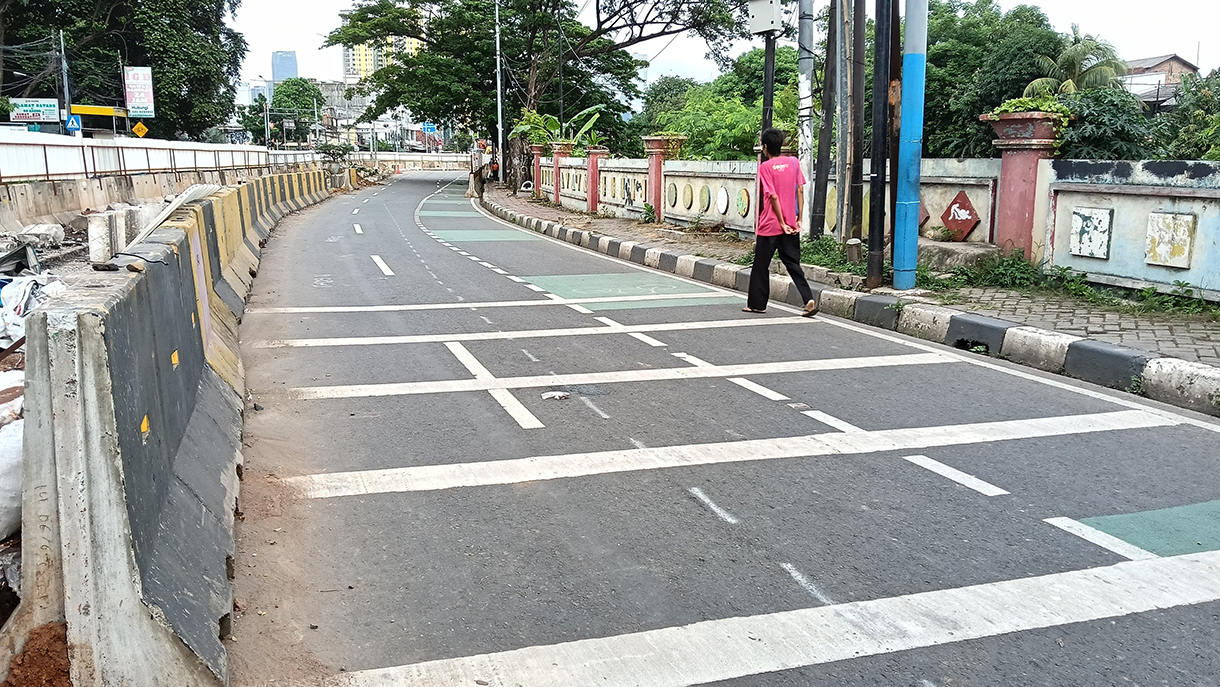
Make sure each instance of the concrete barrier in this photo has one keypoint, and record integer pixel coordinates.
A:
(133, 440)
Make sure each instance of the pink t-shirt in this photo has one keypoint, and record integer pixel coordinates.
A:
(779, 177)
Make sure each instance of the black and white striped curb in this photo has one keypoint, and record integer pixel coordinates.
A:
(1185, 384)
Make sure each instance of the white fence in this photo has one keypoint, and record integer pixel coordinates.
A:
(30, 156)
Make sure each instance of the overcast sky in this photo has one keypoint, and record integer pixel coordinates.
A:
(1137, 29)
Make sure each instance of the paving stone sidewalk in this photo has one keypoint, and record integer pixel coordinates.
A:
(1179, 336)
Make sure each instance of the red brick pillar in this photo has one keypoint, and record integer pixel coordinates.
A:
(596, 155)
(655, 194)
(537, 150)
(559, 150)
(1025, 139)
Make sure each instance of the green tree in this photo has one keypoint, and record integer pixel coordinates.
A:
(1087, 62)
(978, 58)
(194, 56)
(1109, 124)
(251, 118)
(725, 128)
(296, 99)
(745, 79)
(666, 94)
(1190, 129)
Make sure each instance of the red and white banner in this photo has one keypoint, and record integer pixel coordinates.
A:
(139, 87)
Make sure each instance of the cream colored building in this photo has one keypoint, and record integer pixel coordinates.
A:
(361, 61)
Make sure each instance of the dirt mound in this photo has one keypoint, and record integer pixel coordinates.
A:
(44, 660)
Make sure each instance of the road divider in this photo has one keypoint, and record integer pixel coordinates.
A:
(133, 446)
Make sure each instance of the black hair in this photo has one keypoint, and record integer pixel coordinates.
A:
(773, 141)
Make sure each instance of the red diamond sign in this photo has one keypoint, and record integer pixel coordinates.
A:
(961, 218)
(924, 215)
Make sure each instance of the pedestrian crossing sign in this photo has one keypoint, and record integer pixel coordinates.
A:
(73, 123)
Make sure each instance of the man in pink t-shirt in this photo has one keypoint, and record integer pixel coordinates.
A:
(782, 185)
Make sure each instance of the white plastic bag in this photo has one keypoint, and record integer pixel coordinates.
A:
(10, 478)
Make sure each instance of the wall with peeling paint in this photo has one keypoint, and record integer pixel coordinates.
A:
(1135, 224)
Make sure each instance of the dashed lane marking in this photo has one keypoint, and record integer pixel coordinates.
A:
(711, 505)
(358, 229)
(832, 421)
(758, 389)
(806, 584)
(754, 645)
(1106, 541)
(385, 269)
(535, 468)
(966, 480)
(620, 376)
(647, 339)
(356, 211)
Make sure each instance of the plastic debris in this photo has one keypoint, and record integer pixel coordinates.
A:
(10, 478)
(18, 297)
(555, 395)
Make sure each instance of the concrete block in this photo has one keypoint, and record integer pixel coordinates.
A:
(968, 331)
(686, 265)
(838, 302)
(743, 279)
(927, 322)
(100, 227)
(945, 256)
(610, 246)
(816, 273)
(779, 288)
(1040, 348)
(547, 227)
(1184, 384)
(652, 257)
(637, 254)
(1106, 364)
(725, 275)
(668, 261)
(877, 311)
(704, 269)
(624, 250)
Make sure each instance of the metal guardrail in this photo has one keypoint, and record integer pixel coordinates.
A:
(29, 156)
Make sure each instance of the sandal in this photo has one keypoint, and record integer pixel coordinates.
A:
(811, 309)
(753, 311)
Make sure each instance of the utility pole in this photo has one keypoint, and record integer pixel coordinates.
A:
(806, 66)
(768, 82)
(500, 101)
(63, 65)
(914, 77)
(845, 119)
(895, 110)
(857, 103)
(559, 25)
(880, 152)
(821, 178)
(266, 123)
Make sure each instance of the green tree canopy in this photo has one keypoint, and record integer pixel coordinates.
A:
(1192, 129)
(195, 57)
(1109, 124)
(1087, 62)
(744, 80)
(296, 99)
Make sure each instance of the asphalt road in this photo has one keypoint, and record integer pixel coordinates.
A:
(720, 499)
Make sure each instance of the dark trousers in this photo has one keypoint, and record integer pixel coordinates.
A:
(765, 247)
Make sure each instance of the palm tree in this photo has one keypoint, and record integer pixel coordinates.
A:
(1087, 62)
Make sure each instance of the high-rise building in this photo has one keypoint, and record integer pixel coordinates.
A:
(242, 97)
(360, 61)
(283, 65)
(256, 91)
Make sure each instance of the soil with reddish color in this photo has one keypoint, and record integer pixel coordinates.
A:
(44, 660)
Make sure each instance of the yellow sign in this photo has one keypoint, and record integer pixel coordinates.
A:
(99, 110)
(139, 129)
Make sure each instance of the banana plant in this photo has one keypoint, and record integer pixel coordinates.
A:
(544, 129)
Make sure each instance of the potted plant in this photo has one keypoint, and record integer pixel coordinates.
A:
(1029, 120)
(669, 143)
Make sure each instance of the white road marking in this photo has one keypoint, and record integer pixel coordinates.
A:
(516, 409)
(636, 443)
(697, 362)
(385, 269)
(454, 248)
(467, 359)
(711, 505)
(873, 332)
(647, 339)
(532, 287)
(592, 406)
(463, 253)
(754, 645)
(365, 200)
(302, 310)
(970, 481)
(608, 322)
(356, 211)
(806, 583)
(521, 334)
(635, 375)
(519, 280)
(759, 389)
(358, 229)
(474, 258)
(832, 421)
(497, 270)
(513, 471)
(485, 319)
(1105, 541)
(504, 397)
(488, 265)
(580, 309)
(531, 356)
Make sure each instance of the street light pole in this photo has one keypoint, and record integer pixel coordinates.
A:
(63, 65)
(499, 101)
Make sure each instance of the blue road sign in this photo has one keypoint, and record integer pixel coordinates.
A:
(429, 127)
(73, 123)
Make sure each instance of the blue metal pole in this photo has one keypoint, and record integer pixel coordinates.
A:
(910, 148)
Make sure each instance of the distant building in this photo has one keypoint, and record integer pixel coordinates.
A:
(1155, 80)
(283, 65)
(243, 94)
(256, 91)
(360, 61)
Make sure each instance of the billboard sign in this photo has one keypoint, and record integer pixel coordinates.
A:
(138, 83)
(34, 110)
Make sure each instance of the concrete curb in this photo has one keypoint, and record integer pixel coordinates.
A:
(1194, 386)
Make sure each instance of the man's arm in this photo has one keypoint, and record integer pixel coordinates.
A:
(773, 203)
(800, 203)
